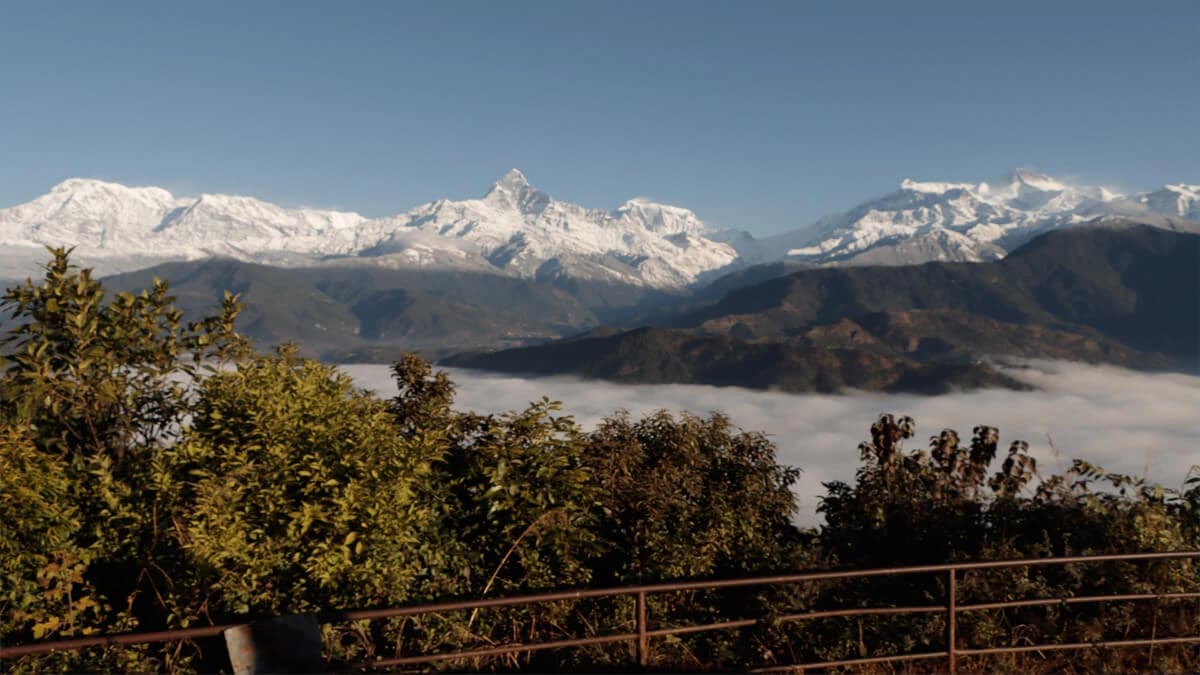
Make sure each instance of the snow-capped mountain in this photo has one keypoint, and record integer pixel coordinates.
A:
(513, 229)
(924, 221)
(516, 229)
(1174, 200)
(519, 228)
(951, 221)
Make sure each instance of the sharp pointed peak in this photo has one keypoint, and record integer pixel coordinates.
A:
(512, 179)
(514, 188)
(1035, 179)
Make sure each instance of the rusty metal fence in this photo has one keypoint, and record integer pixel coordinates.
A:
(643, 634)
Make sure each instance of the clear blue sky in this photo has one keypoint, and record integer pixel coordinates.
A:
(760, 115)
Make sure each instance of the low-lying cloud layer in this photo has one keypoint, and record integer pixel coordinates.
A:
(1137, 423)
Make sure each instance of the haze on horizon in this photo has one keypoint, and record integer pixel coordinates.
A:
(762, 117)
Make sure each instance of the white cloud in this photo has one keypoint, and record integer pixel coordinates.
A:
(1119, 419)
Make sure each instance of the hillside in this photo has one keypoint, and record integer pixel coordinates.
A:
(1135, 284)
(344, 312)
(1120, 293)
(664, 356)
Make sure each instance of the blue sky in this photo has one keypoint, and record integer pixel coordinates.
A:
(758, 115)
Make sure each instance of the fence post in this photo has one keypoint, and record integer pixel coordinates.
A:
(286, 644)
(643, 641)
(951, 622)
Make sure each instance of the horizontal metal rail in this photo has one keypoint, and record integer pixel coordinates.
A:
(115, 639)
(1080, 599)
(644, 633)
(1067, 646)
(865, 661)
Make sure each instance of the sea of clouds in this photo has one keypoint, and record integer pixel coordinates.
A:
(1145, 424)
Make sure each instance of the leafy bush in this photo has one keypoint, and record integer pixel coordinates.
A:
(91, 389)
(941, 505)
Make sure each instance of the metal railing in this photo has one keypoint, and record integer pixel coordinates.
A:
(642, 634)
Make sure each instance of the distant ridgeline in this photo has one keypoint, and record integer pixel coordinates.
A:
(1118, 293)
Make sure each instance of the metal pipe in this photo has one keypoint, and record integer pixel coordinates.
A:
(806, 616)
(951, 622)
(1043, 602)
(899, 658)
(116, 639)
(1112, 644)
(643, 642)
(500, 650)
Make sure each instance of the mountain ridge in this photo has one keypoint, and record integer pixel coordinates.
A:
(513, 229)
(518, 230)
(1120, 293)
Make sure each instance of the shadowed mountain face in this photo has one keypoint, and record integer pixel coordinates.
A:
(663, 356)
(348, 313)
(1122, 294)
(1136, 285)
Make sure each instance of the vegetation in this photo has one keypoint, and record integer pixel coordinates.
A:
(158, 475)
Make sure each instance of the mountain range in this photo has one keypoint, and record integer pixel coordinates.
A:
(517, 230)
(910, 291)
(967, 222)
(514, 229)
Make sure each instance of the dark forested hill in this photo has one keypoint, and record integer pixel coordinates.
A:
(344, 311)
(1137, 285)
(1121, 293)
(662, 356)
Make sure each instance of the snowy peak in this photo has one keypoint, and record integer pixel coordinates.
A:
(1011, 185)
(513, 181)
(520, 229)
(1174, 200)
(513, 190)
(928, 220)
(658, 217)
(87, 213)
(1037, 181)
(513, 229)
(517, 229)
(91, 188)
(909, 185)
